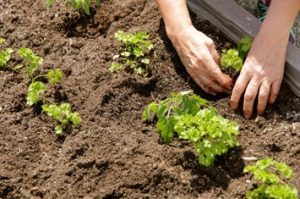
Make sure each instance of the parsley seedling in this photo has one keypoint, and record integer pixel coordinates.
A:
(270, 176)
(76, 4)
(31, 61)
(133, 54)
(54, 75)
(35, 92)
(5, 55)
(234, 58)
(191, 118)
(63, 114)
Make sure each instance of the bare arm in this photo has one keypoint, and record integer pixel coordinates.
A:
(175, 15)
(196, 51)
(262, 73)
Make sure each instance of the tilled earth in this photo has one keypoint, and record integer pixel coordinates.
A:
(114, 154)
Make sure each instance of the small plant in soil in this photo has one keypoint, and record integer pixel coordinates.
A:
(63, 115)
(5, 55)
(36, 90)
(234, 58)
(271, 177)
(76, 4)
(31, 62)
(190, 118)
(133, 56)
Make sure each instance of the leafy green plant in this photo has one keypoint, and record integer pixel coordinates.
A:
(189, 117)
(76, 4)
(2, 40)
(63, 114)
(31, 61)
(54, 75)
(35, 92)
(271, 176)
(234, 58)
(211, 134)
(133, 54)
(5, 55)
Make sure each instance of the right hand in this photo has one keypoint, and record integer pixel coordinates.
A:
(200, 58)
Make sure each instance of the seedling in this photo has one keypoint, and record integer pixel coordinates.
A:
(35, 92)
(63, 114)
(271, 177)
(190, 117)
(5, 55)
(211, 134)
(133, 54)
(54, 76)
(76, 4)
(31, 61)
(234, 58)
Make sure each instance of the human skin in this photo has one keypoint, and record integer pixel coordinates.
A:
(263, 70)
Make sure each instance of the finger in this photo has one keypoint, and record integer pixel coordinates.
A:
(263, 96)
(212, 85)
(238, 90)
(274, 91)
(223, 79)
(214, 53)
(249, 97)
(202, 85)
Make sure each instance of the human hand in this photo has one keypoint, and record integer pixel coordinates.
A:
(200, 58)
(261, 75)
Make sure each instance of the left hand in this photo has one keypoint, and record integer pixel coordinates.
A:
(261, 75)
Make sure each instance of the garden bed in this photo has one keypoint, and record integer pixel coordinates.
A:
(114, 154)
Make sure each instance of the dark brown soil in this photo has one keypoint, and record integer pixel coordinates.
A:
(114, 154)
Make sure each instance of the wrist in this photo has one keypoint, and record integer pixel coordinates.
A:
(174, 33)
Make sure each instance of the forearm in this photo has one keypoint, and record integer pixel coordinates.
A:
(175, 15)
(279, 20)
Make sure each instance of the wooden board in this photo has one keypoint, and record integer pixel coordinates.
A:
(236, 22)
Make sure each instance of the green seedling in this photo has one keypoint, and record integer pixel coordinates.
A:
(271, 177)
(231, 59)
(133, 54)
(5, 55)
(211, 134)
(54, 76)
(31, 61)
(234, 58)
(2, 40)
(35, 92)
(63, 114)
(76, 4)
(190, 118)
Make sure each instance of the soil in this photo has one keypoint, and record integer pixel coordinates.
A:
(114, 154)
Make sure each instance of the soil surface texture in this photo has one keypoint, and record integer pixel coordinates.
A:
(113, 154)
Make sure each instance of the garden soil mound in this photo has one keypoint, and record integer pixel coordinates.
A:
(114, 154)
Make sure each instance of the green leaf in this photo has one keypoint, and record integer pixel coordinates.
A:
(63, 114)
(35, 92)
(54, 75)
(126, 54)
(32, 61)
(244, 46)
(58, 130)
(86, 6)
(5, 56)
(135, 47)
(165, 127)
(269, 174)
(2, 40)
(149, 112)
(116, 67)
(75, 118)
(231, 59)
(145, 61)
